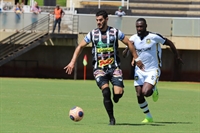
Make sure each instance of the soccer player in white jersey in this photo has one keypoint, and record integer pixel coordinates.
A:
(106, 62)
(148, 48)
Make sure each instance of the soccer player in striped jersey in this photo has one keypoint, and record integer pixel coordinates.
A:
(106, 62)
(147, 45)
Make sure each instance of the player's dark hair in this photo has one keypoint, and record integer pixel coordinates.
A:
(102, 13)
(141, 19)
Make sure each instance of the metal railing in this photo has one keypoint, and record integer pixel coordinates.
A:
(11, 22)
(24, 39)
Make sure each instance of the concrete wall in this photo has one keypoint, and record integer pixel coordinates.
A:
(49, 61)
(184, 32)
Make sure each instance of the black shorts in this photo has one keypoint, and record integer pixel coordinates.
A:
(114, 75)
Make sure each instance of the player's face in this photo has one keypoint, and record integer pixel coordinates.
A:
(101, 22)
(141, 27)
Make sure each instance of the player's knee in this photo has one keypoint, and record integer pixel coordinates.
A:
(119, 91)
(106, 92)
(146, 92)
(118, 96)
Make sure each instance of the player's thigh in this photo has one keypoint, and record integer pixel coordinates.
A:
(101, 78)
(152, 77)
(117, 81)
(139, 77)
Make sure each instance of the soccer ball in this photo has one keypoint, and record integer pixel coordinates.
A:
(76, 114)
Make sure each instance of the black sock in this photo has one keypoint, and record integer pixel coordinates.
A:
(108, 102)
(116, 97)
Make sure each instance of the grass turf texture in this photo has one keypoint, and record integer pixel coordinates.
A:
(60, 2)
(42, 106)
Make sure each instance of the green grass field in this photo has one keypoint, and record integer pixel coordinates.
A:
(60, 2)
(42, 106)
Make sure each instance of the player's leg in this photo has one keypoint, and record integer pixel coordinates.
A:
(103, 83)
(118, 85)
(150, 90)
(143, 104)
(139, 79)
(149, 87)
(108, 103)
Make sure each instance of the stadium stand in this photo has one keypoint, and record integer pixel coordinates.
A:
(170, 8)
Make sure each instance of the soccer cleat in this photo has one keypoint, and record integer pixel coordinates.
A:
(112, 122)
(155, 95)
(147, 120)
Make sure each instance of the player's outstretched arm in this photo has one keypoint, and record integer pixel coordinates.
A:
(69, 68)
(134, 54)
(174, 50)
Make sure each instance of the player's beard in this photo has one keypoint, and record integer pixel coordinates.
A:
(141, 33)
(102, 26)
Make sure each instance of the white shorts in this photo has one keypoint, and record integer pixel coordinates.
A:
(151, 76)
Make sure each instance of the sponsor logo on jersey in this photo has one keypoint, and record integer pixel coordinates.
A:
(106, 62)
(148, 41)
(144, 49)
(105, 55)
(98, 73)
(99, 50)
(120, 79)
(136, 78)
(100, 44)
(103, 36)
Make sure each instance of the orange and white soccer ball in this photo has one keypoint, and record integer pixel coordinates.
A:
(76, 114)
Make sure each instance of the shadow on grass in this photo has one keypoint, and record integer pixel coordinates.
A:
(173, 122)
(152, 124)
(130, 124)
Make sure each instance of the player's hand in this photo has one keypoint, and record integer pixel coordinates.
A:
(132, 63)
(140, 65)
(69, 68)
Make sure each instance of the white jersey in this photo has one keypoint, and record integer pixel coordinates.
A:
(149, 49)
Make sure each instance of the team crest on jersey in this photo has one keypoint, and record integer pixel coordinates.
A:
(136, 78)
(96, 39)
(148, 41)
(112, 38)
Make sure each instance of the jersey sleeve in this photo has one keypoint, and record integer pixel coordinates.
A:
(121, 35)
(131, 38)
(88, 38)
(159, 38)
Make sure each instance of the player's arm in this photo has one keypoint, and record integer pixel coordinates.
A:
(69, 68)
(174, 50)
(125, 52)
(133, 52)
(130, 47)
